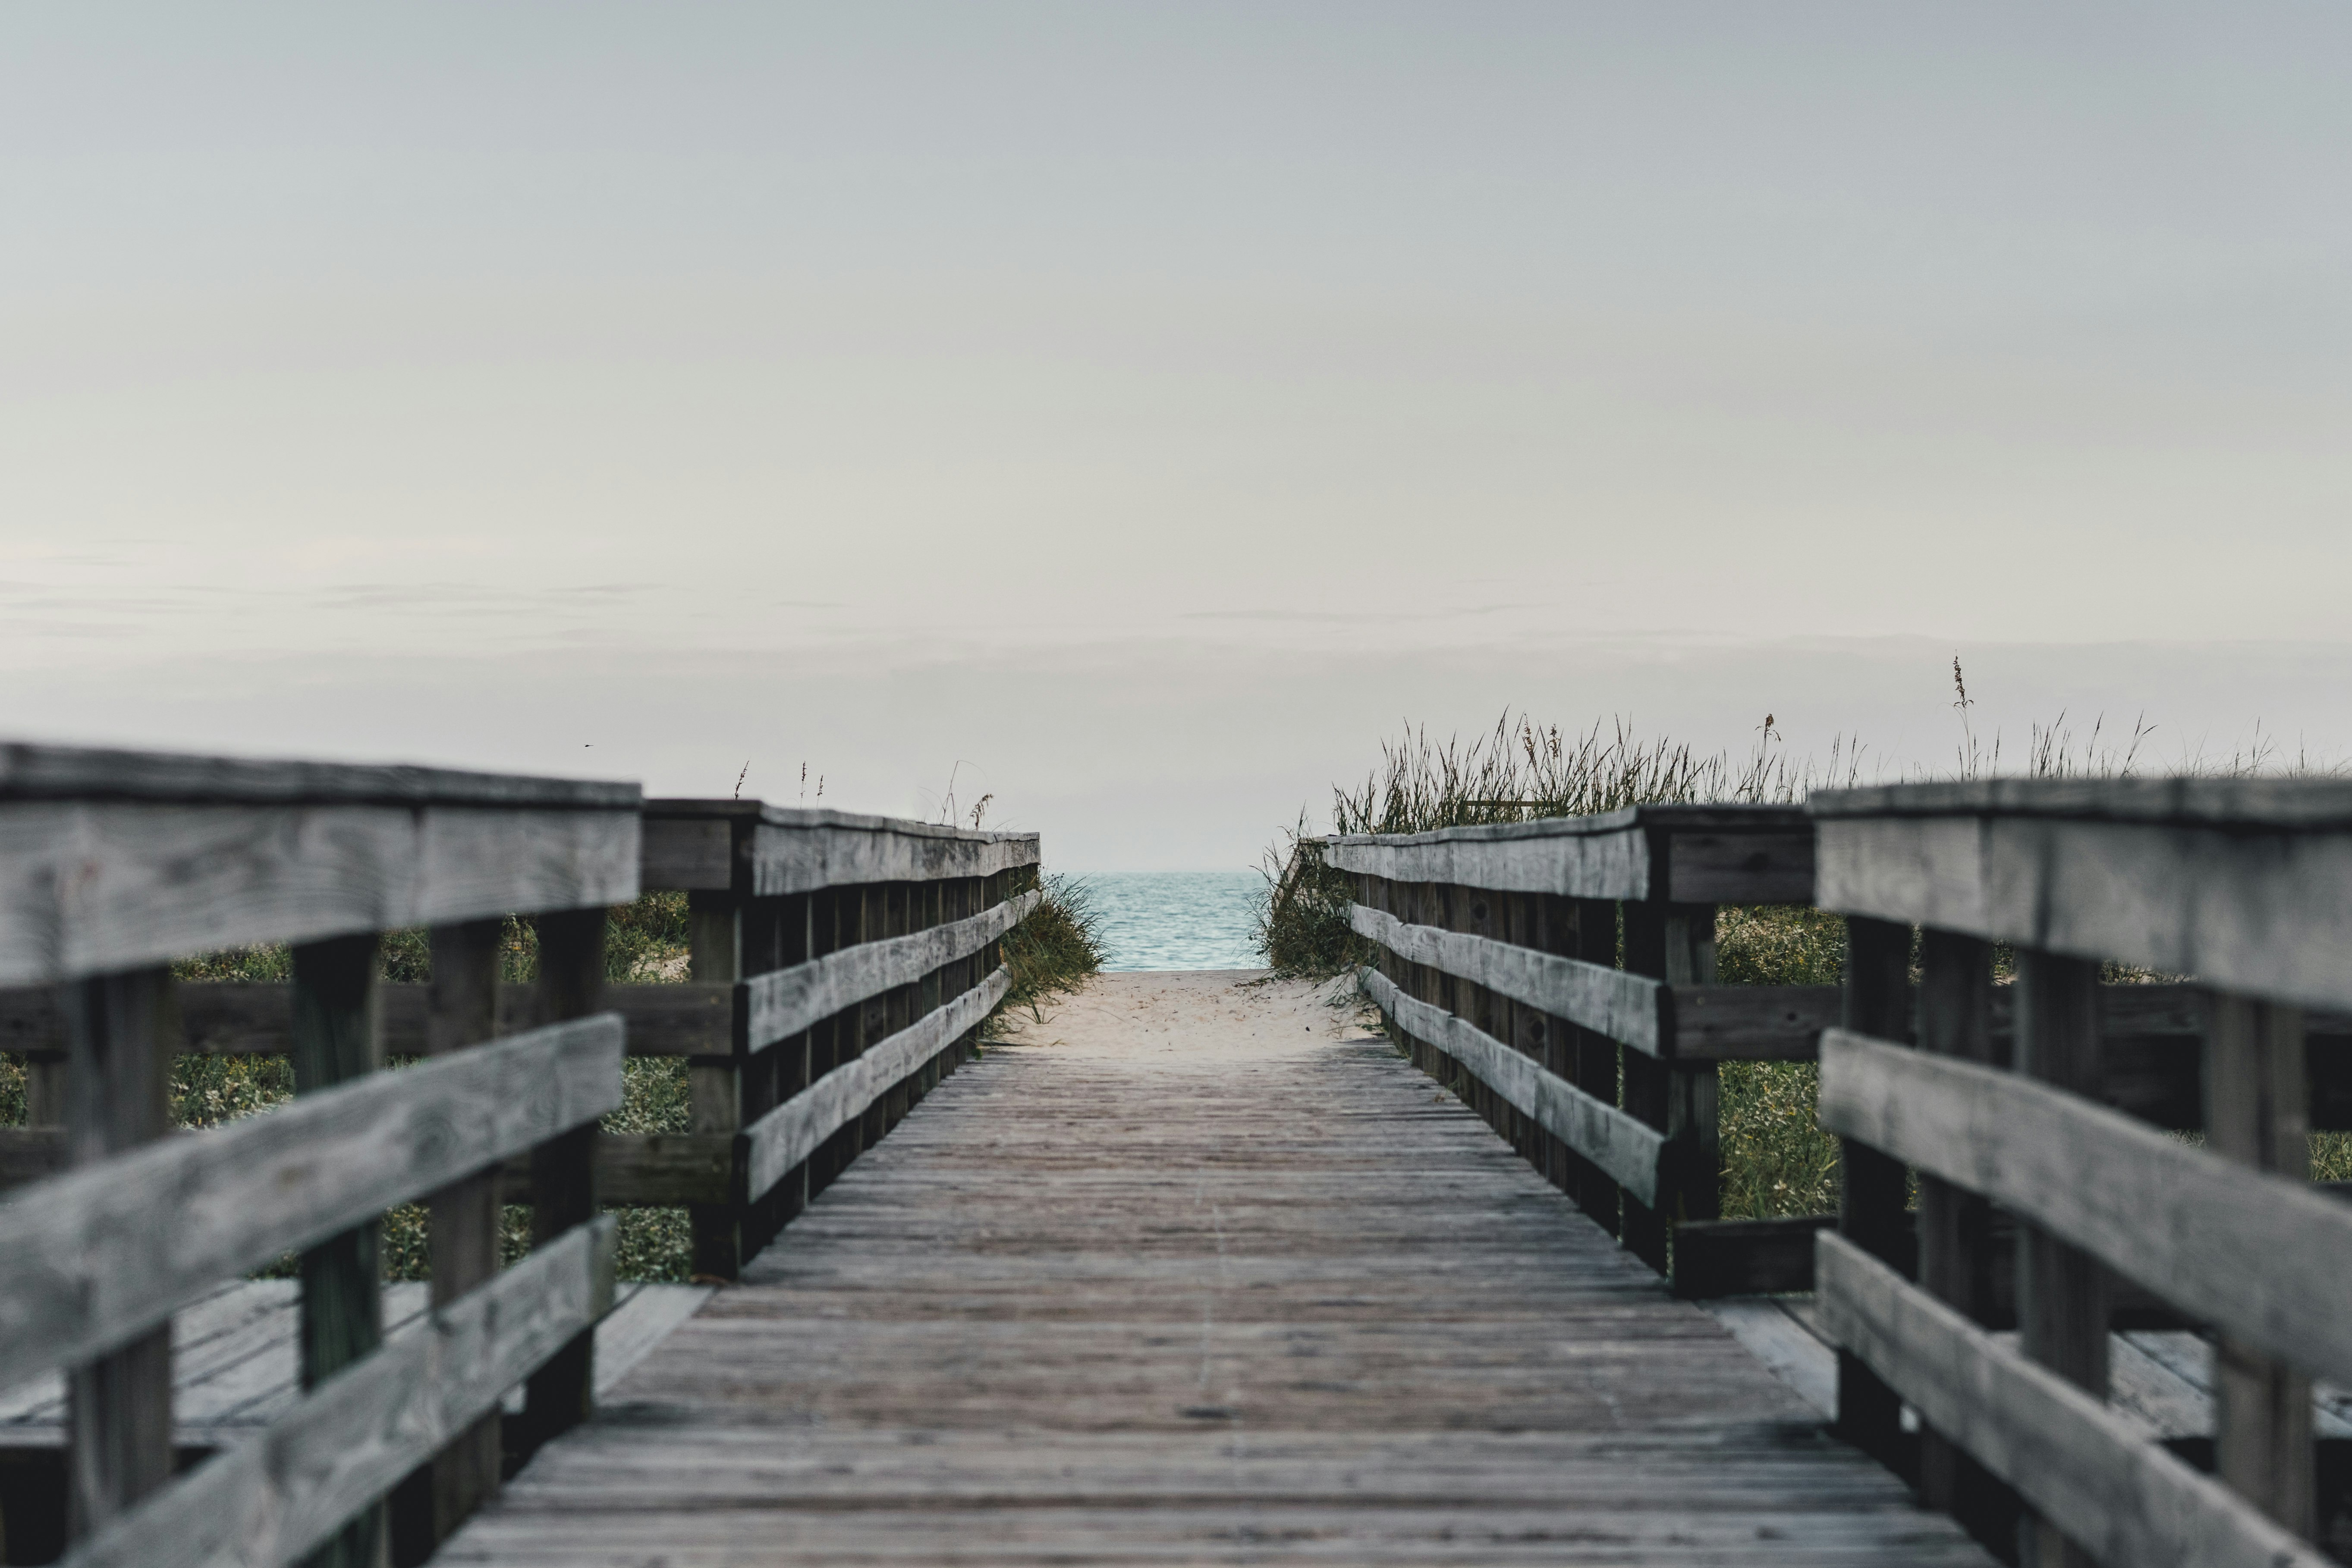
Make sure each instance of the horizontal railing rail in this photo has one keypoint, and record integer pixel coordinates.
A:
(114, 864)
(2247, 888)
(858, 956)
(1561, 973)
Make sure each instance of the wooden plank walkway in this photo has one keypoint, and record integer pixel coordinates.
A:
(1190, 1278)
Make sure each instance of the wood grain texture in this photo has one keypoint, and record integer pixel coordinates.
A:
(88, 1259)
(1286, 1303)
(1627, 1151)
(790, 1133)
(773, 850)
(269, 1502)
(1627, 1008)
(76, 772)
(2100, 1477)
(786, 1000)
(2267, 1258)
(1735, 854)
(2260, 911)
(89, 887)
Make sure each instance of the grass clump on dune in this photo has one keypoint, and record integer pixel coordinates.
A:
(1052, 950)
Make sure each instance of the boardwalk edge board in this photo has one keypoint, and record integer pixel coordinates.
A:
(782, 1002)
(793, 1130)
(271, 1500)
(93, 1257)
(1631, 1152)
(2267, 1258)
(2104, 1480)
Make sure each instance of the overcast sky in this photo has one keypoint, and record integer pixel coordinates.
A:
(1147, 407)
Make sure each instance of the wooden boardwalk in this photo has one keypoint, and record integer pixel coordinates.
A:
(1191, 1277)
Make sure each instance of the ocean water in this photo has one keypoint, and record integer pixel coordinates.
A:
(1176, 919)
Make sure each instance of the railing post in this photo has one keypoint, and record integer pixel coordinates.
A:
(1674, 943)
(1871, 1186)
(2256, 1112)
(335, 1040)
(2062, 1292)
(562, 1393)
(121, 1031)
(715, 1090)
(1955, 1019)
(1593, 1069)
(462, 1009)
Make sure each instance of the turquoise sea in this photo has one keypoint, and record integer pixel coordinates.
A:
(1176, 919)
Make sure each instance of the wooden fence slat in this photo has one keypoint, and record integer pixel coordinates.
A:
(2251, 906)
(271, 1500)
(335, 1043)
(2062, 1297)
(118, 1403)
(2255, 1117)
(715, 1087)
(91, 1257)
(1871, 1186)
(462, 1218)
(562, 1393)
(1621, 1145)
(790, 1133)
(151, 883)
(2109, 1485)
(1956, 1246)
(1628, 1009)
(785, 1002)
(2267, 1258)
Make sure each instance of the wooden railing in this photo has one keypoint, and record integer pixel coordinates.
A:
(111, 865)
(1499, 953)
(843, 932)
(2246, 886)
(840, 965)
(857, 957)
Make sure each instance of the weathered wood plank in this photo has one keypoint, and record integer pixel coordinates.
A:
(1629, 1151)
(2254, 903)
(790, 1133)
(2267, 1258)
(784, 1001)
(88, 1259)
(271, 1500)
(563, 1393)
(87, 888)
(774, 850)
(335, 1043)
(2102, 1479)
(462, 1219)
(78, 772)
(119, 1403)
(1727, 854)
(2255, 1117)
(1628, 1009)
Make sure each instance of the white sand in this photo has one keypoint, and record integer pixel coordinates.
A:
(1178, 1018)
